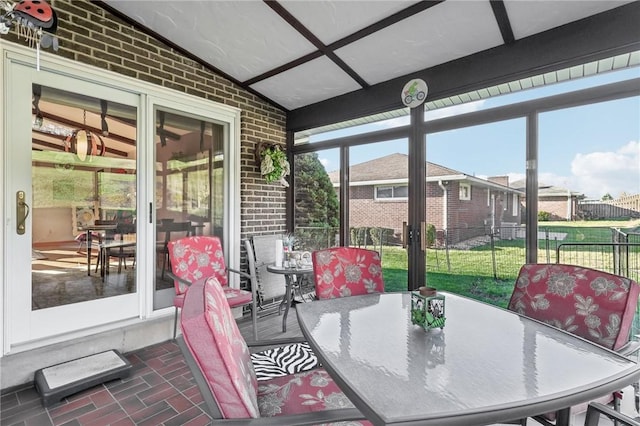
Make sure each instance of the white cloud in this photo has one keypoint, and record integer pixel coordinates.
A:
(613, 172)
(597, 173)
(325, 162)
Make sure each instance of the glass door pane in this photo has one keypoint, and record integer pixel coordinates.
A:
(317, 205)
(475, 220)
(589, 186)
(83, 177)
(189, 198)
(378, 205)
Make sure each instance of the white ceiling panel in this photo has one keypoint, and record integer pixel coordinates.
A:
(240, 38)
(263, 46)
(440, 34)
(334, 20)
(530, 17)
(311, 82)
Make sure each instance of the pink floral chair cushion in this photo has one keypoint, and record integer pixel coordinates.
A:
(304, 392)
(234, 353)
(592, 304)
(221, 353)
(347, 271)
(197, 258)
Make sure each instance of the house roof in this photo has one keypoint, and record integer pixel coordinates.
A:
(387, 168)
(332, 60)
(393, 168)
(545, 190)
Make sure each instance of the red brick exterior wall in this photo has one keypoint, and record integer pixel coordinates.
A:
(466, 218)
(365, 211)
(557, 206)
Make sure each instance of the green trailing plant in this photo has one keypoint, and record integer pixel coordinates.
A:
(274, 165)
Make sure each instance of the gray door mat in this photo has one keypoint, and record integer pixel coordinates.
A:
(61, 380)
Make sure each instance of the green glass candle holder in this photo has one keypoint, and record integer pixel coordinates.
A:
(427, 308)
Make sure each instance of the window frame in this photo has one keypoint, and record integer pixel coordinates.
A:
(393, 190)
(464, 187)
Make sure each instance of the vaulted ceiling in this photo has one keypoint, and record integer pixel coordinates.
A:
(332, 60)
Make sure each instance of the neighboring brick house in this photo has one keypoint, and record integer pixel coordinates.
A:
(560, 203)
(466, 206)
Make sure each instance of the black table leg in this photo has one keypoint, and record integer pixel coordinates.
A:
(88, 240)
(289, 281)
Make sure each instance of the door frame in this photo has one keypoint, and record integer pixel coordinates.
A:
(149, 94)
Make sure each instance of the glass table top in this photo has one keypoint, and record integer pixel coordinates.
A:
(485, 362)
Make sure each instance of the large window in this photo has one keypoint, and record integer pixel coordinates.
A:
(482, 155)
(317, 208)
(388, 192)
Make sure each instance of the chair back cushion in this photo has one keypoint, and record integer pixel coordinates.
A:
(347, 271)
(263, 247)
(196, 258)
(213, 338)
(592, 304)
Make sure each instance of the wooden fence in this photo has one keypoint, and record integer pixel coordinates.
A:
(623, 207)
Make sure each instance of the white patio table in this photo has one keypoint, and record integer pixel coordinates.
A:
(487, 364)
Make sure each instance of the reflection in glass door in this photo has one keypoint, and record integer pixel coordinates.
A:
(189, 198)
(84, 198)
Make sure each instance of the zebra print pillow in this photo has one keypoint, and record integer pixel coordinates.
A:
(284, 360)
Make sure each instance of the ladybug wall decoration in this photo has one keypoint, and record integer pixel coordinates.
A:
(35, 20)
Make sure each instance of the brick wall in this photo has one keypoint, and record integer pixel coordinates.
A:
(435, 204)
(557, 206)
(466, 218)
(91, 35)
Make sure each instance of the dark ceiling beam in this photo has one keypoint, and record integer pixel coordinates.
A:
(182, 51)
(384, 23)
(597, 37)
(500, 13)
(76, 125)
(304, 31)
(329, 50)
(50, 145)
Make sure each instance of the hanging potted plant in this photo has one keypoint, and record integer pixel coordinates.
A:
(274, 165)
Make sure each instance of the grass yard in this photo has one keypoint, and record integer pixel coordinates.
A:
(471, 272)
(471, 279)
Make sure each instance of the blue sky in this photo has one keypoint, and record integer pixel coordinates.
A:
(593, 149)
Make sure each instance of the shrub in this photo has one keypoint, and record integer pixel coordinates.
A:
(544, 216)
(431, 235)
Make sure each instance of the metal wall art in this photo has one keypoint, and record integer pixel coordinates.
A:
(35, 20)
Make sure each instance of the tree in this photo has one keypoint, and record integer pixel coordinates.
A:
(607, 197)
(316, 201)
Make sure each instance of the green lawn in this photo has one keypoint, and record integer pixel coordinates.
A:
(589, 231)
(470, 280)
(471, 273)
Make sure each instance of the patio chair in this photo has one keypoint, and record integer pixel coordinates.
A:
(172, 231)
(346, 271)
(104, 236)
(592, 304)
(595, 411)
(220, 361)
(197, 258)
(262, 247)
(122, 253)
